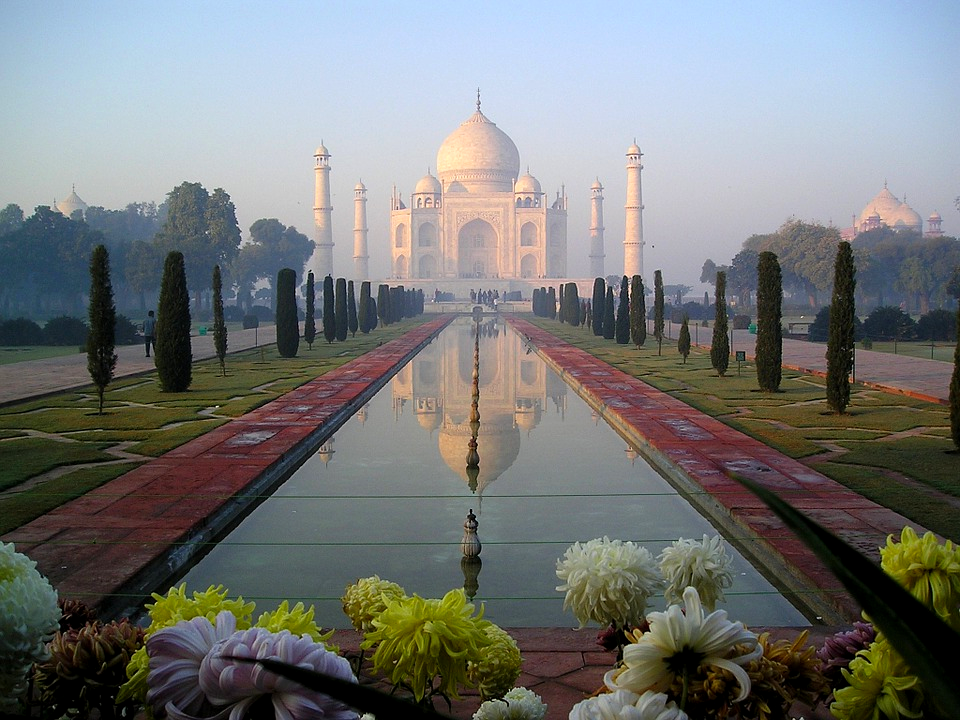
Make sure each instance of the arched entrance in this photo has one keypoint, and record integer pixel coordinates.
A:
(428, 267)
(478, 250)
(529, 267)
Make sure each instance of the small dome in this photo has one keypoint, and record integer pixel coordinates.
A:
(633, 149)
(596, 185)
(527, 184)
(934, 217)
(71, 204)
(321, 150)
(360, 186)
(428, 185)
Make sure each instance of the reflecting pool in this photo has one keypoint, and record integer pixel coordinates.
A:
(389, 494)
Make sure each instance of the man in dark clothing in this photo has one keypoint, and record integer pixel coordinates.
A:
(149, 332)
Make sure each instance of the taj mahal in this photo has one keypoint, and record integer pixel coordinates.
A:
(479, 221)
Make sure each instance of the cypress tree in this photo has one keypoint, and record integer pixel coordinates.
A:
(955, 390)
(658, 309)
(340, 309)
(609, 323)
(683, 343)
(219, 324)
(551, 304)
(769, 353)
(383, 304)
(329, 318)
(599, 295)
(310, 323)
(840, 341)
(352, 321)
(535, 302)
(572, 299)
(174, 356)
(720, 345)
(101, 340)
(562, 312)
(638, 311)
(288, 329)
(623, 314)
(363, 309)
(372, 317)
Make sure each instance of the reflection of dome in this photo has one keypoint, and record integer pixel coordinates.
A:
(71, 204)
(527, 184)
(498, 444)
(529, 418)
(428, 184)
(478, 155)
(429, 420)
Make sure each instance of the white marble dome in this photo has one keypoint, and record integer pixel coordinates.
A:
(427, 185)
(478, 156)
(892, 212)
(71, 204)
(527, 184)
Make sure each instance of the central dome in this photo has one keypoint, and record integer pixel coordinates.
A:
(478, 156)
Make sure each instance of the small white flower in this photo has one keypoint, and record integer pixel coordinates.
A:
(608, 581)
(626, 705)
(703, 565)
(685, 638)
(517, 704)
(29, 616)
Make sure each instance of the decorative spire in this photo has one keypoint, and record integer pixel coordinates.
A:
(478, 99)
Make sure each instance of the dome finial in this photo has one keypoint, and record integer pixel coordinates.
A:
(478, 99)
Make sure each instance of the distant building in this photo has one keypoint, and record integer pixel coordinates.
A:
(885, 210)
(71, 204)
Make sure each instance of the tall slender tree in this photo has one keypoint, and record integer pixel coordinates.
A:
(599, 296)
(840, 342)
(309, 320)
(340, 309)
(551, 303)
(363, 311)
(720, 345)
(329, 317)
(955, 390)
(572, 300)
(638, 312)
(562, 312)
(683, 342)
(658, 309)
(623, 314)
(609, 319)
(288, 329)
(219, 324)
(769, 354)
(353, 322)
(383, 305)
(101, 358)
(174, 354)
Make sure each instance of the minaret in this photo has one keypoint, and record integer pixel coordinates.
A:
(322, 262)
(361, 260)
(596, 230)
(633, 225)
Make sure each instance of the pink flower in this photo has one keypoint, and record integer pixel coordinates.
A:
(240, 685)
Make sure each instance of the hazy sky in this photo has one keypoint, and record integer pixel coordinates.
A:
(747, 113)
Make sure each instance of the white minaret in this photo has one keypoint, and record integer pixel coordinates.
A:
(322, 261)
(361, 260)
(596, 230)
(633, 225)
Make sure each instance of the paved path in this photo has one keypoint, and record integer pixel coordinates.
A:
(19, 381)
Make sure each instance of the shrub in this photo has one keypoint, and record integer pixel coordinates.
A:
(174, 355)
(250, 321)
(125, 332)
(288, 331)
(65, 330)
(840, 342)
(20, 331)
(261, 312)
(233, 313)
(937, 325)
(741, 322)
(340, 309)
(889, 323)
(769, 345)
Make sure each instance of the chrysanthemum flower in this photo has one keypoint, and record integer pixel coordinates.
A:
(298, 621)
(499, 667)
(881, 685)
(517, 704)
(607, 581)
(29, 616)
(418, 640)
(679, 641)
(366, 599)
(704, 565)
(840, 649)
(928, 570)
(626, 705)
(239, 686)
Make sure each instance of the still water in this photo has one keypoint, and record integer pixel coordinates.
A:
(389, 493)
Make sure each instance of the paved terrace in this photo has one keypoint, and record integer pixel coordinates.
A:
(128, 537)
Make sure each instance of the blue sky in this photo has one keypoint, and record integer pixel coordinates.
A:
(747, 113)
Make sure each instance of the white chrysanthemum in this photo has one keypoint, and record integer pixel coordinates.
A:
(684, 638)
(517, 704)
(626, 705)
(703, 565)
(608, 581)
(29, 616)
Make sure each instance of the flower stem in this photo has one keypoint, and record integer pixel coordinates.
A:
(686, 687)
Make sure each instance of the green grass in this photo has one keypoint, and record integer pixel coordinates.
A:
(884, 435)
(24, 458)
(942, 351)
(23, 353)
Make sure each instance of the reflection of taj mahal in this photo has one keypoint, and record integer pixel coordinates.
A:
(514, 390)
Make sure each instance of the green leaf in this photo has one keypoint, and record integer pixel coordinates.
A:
(928, 645)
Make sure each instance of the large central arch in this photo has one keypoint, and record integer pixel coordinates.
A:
(478, 250)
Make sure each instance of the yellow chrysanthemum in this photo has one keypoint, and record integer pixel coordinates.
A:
(418, 640)
(881, 685)
(366, 599)
(495, 673)
(298, 621)
(928, 570)
(170, 609)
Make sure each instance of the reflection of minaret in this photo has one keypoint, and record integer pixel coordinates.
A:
(473, 456)
(362, 414)
(360, 256)
(322, 262)
(596, 230)
(633, 227)
(326, 451)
